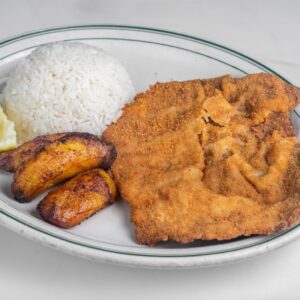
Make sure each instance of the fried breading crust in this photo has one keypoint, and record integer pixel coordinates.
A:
(60, 160)
(78, 199)
(209, 159)
(11, 160)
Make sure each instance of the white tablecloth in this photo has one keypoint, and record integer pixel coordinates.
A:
(265, 30)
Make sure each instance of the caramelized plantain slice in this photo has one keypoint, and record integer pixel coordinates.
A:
(60, 160)
(78, 199)
(11, 160)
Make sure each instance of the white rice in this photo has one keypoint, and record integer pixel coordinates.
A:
(66, 87)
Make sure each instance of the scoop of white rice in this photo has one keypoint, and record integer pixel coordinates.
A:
(66, 87)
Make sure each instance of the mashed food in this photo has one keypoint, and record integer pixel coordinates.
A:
(66, 87)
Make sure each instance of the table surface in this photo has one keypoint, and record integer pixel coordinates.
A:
(265, 30)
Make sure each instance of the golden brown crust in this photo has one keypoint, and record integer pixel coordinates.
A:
(78, 199)
(279, 121)
(12, 159)
(60, 160)
(209, 159)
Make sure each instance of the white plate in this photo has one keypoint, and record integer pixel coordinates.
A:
(150, 55)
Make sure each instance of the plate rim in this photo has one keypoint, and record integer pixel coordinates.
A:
(14, 38)
(136, 259)
(150, 262)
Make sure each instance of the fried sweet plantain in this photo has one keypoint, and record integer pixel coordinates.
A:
(62, 159)
(11, 160)
(78, 199)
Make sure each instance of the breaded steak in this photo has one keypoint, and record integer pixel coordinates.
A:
(209, 159)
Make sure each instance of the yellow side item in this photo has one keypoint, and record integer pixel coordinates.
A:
(8, 136)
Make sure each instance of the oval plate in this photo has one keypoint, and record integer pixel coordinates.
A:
(150, 55)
